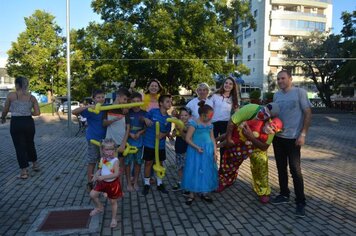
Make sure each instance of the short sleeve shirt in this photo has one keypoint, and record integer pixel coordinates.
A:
(95, 129)
(136, 124)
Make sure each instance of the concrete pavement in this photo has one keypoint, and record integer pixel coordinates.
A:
(328, 165)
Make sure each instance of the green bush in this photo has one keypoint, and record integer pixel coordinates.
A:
(256, 94)
(269, 95)
(47, 107)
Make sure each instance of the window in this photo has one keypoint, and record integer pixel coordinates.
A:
(249, 44)
(255, 13)
(253, 69)
(249, 58)
(248, 33)
(239, 40)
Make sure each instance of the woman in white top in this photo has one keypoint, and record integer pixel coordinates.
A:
(203, 93)
(225, 102)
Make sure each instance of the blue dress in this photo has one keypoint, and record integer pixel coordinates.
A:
(200, 170)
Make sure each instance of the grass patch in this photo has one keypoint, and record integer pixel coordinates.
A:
(47, 107)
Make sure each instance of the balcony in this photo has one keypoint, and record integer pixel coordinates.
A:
(295, 15)
(276, 61)
(311, 3)
(278, 46)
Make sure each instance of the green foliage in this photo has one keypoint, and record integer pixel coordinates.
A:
(255, 94)
(46, 108)
(268, 95)
(36, 54)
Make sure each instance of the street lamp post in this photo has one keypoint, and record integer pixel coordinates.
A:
(68, 72)
(52, 95)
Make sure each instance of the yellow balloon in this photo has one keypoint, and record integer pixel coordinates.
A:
(128, 150)
(160, 170)
(99, 107)
(177, 122)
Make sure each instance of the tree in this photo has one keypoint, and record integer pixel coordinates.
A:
(181, 43)
(37, 53)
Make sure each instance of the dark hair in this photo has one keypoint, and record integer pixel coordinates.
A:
(233, 93)
(96, 92)
(136, 95)
(22, 82)
(163, 97)
(204, 108)
(186, 109)
(156, 81)
(123, 92)
(285, 71)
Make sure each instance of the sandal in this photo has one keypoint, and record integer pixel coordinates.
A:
(189, 201)
(23, 174)
(113, 223)
(96, 211)
(36, 168)
(206, 198)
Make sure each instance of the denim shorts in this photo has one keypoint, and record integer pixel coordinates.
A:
(93, 154)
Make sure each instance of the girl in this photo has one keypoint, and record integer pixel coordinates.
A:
(181, 145)
(200, 171)
(225, 103)
(107, 180)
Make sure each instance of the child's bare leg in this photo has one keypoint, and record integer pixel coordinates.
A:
(94, 195)
(137, 173)
(128, 178)
(90, 171)
(113, 213)
(147, 171)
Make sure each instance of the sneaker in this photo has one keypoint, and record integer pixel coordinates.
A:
(264, 199)
(162, 189)
(146, 189)
(186, 193)
(300, 211)
(280, 200)
(176, 187)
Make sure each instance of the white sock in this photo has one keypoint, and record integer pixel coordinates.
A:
(159, 181)
(147, 181)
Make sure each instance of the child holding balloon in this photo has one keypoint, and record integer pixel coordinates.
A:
(156, 115)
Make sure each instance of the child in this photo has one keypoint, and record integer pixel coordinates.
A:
(95, 131)
(181, 145)
(200, 170)
(137, 129)
(117, 123)
(107, 180)
(157, 114)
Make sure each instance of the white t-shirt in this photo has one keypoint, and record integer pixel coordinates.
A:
(193, 106)
(222, 107)
(116, 130)
(107, 167)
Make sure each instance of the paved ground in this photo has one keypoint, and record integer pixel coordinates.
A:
(328, 167)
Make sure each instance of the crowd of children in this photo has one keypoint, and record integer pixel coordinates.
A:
(195, 145)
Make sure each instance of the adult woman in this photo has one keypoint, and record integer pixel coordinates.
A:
(22, 126)
(203, 93)
(151, 95)
(225, 102)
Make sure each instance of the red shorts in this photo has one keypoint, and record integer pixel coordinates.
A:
(113, 189)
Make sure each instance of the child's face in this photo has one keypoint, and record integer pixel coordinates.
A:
(121, 99)
(99, 98)
(268, 128)
(108, 151)
(135, 100)
(207, 117)
(166, 104)
(184, 116)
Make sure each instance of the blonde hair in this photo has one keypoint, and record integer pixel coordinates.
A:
(108, 142)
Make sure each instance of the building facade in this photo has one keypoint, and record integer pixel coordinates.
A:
(279, 23)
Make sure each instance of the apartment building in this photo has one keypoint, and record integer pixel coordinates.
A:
(279, 22)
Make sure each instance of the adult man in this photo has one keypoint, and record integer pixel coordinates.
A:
(295, 112)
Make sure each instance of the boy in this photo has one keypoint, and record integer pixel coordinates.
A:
(117, 123)
(157, 114)
(95, 131)
(137, 129)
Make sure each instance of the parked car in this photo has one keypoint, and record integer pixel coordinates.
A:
(64, 106)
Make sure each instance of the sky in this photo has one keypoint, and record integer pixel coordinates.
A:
(12, 13)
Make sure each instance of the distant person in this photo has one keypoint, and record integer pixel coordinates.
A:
(295, 113)
(22, 106)
(107, 180)
(95, 130)
(202, 91)
(200, 173)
